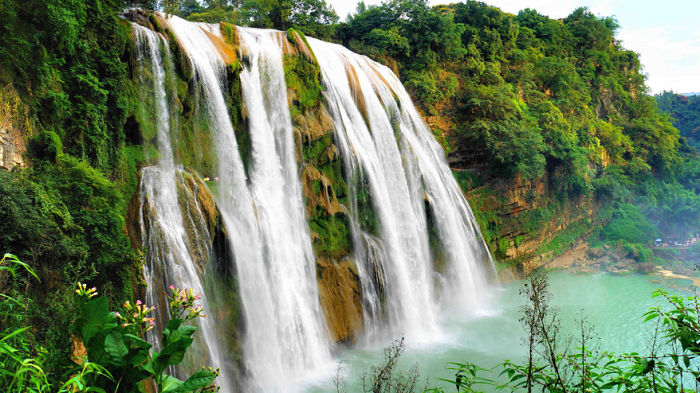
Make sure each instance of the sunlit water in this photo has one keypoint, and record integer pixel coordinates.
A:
(614, 305)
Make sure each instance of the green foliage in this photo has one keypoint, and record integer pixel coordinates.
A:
(502, 246)
(332, 235)
(312, 17)
(685, 112)
(302, 75)
(565, 238)
(113, 342)
(19, 370)
(629, 225)
(66, 60)
(532, 96)
(216, 15)
(645, 253)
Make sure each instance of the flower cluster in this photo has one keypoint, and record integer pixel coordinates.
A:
(213, 387)
(182, 304)
(84, 291)
(135, 318)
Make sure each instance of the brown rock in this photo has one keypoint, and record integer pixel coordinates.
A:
(339, 293)
(645, 267)
(596, 253)
(15, 126)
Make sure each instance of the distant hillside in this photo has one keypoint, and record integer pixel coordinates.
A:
(685, 110)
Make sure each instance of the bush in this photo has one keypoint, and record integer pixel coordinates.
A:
(629, 225)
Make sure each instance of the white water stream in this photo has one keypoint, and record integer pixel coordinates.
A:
(386, 149)
(169, 258)
(286, 339)
(405, 166)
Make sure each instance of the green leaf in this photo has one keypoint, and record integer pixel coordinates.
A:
(651, 316)
(182, 332)
(174, 323)
(115, 347)
(137, 342)
(16, 332)
(170, 383)
(94, 314)
(196, 381)
(171, 355)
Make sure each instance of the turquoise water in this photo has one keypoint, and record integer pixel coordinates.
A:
(614, 305)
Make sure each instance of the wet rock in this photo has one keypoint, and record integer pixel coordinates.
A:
(645, 268)
(623, 264)
(619, 272)
(339, 292)
(596, 253)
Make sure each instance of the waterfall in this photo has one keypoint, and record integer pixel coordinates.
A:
(291, 337)
(422, 254)
(264, 213)
(386, 143)
(169, 258)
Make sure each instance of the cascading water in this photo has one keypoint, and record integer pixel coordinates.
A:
(291, 336)
(383, 138)
(169, 258)
(398, 180)
(286, 340)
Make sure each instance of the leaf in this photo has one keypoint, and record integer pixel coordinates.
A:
(610, 385)
(16, 261)
(94, 314)
(137, 342)
(115, 347)
(170, 383)
(16, 332)
(171, 355)
(182, 331)
(651, 316)
(96, 348)
(196, 381)
(137, 356)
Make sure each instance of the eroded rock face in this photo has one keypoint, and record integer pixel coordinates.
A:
(339, 292)
(12, 148)
(14, 128)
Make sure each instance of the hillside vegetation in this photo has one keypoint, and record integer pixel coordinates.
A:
(526, 99)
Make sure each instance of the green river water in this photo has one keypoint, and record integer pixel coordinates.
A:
(613, 304)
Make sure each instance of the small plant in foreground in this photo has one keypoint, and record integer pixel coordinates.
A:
(115, 346)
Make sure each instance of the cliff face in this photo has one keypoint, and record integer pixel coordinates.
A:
(15, 127)
(527, 223)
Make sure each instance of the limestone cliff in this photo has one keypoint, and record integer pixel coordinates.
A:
(15, 127)
(526, 223)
